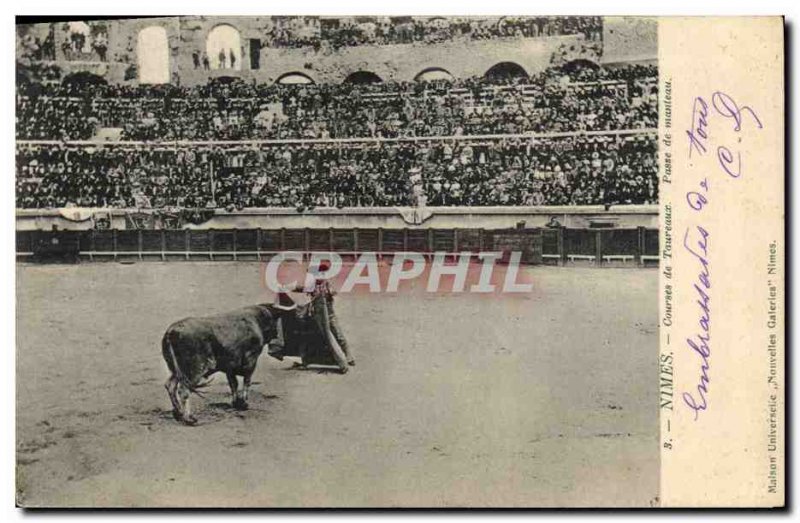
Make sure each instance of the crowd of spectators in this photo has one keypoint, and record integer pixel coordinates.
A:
(54, 118)
(555, 100)
(552, 171)
(474, 141)
(212, 176)
(347, 32)
(575, 170)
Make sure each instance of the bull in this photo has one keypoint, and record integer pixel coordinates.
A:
(196, 348)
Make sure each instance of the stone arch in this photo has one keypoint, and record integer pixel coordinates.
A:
(224, 47)
(439, 22)
(80, 37)
(580, 63)
(434, 73)
(506, 70)
(82, 79)
(152, 52)
(225, 79)
(294, 77)
(363, 77)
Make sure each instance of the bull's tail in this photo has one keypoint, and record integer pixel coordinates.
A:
(176, 369)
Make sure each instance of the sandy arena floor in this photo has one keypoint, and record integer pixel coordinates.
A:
(546, 400)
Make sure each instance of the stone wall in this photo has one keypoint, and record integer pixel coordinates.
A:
(625, 39)
(630, 39)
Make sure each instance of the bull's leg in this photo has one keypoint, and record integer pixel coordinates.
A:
(277, 345)
(171, 385)
(183, 394)
(233, 382)
(246, 388)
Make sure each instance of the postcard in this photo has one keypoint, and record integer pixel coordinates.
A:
(400, 262)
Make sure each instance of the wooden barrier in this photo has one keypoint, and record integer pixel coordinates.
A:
(555, 246)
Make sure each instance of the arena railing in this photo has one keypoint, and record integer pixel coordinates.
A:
(554, 246)
(528, 90)
(305, 141)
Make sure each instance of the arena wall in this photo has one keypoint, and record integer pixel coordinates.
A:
(623, 217)
(551, 244)
(625, 39)
(629, 39)
(402, 62)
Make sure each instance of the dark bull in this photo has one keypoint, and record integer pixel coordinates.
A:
(196, 348)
